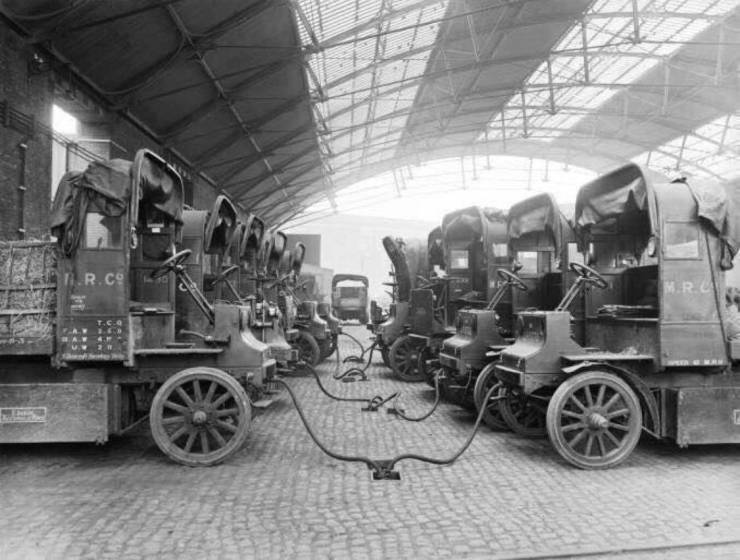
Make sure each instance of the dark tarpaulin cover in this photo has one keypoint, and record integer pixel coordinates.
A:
(106, 187)
(397, 256)
(159, 185)
(718, 207)
(220, 227)
(469, 220)
(596, 205)
(435, 249)
(103, 187)
(611, 194)
(465, 220)
(539, 213)
(416, 258)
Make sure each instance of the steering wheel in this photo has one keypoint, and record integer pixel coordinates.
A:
(171, 263)
(589, 274)
(224, 274)
(511, 278)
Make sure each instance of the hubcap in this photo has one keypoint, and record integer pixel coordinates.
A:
(199, 418)
(596, 421)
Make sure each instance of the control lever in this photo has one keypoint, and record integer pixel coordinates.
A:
(205, 337)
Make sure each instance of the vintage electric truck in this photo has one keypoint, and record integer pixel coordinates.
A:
(473, 246)
(541, 244)
(100, 354)
(349, 297)
(656, 356)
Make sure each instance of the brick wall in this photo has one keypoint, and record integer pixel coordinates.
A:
(31, 94)
(34, 94)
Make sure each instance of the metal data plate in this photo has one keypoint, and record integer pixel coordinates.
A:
(93, 338)
(48, 412)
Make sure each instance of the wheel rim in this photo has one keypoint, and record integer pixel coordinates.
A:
(306, 350)
(594, 420)
(384, 354)
(523, 414)
(404, 360)
(492, 416)
(200, 416)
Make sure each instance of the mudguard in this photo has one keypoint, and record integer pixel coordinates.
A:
(647, 400)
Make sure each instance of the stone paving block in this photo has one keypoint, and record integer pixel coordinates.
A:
(281, 497)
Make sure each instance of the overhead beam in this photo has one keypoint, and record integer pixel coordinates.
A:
(288, 182)
(507, 90)
(214, 103)
(493, 40)
(511, 26)
(208, 71)
(401, 85)
(284, 165)
(254, 158)
(141, 79)
(59, 30)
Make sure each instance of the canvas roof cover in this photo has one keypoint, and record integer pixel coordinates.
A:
(539, 213)
(110, 188)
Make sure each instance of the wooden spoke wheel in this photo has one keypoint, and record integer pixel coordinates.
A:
(523, 414)
(384, 354)
(308, 349)
(492, 416)
(404, 358)
(594, 420)
(200, 416)
(328, 346)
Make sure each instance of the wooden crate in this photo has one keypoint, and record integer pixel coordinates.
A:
(27, 297)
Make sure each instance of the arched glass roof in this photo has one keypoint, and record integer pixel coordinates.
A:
(284, 104)
(588, 82)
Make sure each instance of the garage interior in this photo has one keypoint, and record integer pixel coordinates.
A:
(354, 130)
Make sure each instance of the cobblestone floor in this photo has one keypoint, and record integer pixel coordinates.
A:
(280, 496)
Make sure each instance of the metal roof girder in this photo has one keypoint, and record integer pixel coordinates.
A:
(217, 84)
(254, 158)
(141, 79)
(284, 165)
(289, 181)
(206, 108)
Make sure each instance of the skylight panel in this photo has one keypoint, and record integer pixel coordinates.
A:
(614, 57)
(370, 54)
(712, 150)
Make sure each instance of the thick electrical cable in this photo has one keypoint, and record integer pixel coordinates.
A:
(374, 402)
(384, 467)
(401, 413)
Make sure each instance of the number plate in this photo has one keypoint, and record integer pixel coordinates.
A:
(22, 415)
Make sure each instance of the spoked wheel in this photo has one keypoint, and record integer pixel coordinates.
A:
(594, 420)
(200, 416)
(328, 347)
(523, 414)
(404, 357)
(308, 348)
(385, 355)
(492, 416)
